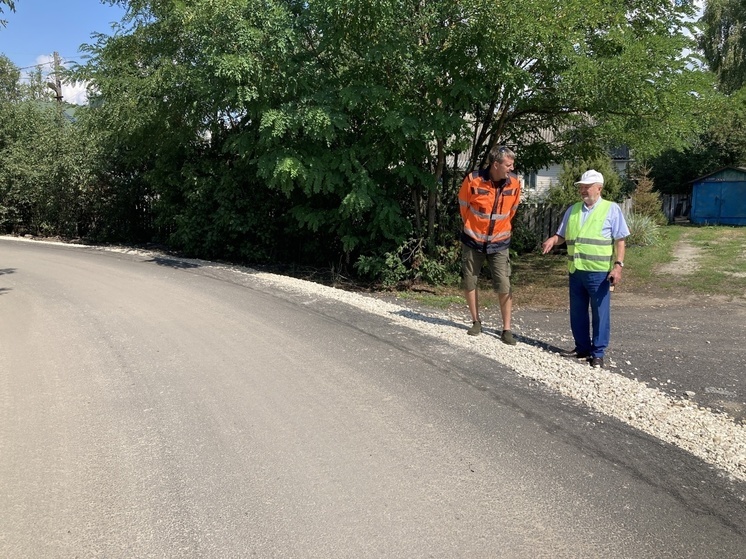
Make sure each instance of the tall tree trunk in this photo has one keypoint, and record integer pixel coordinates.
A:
(432, 196)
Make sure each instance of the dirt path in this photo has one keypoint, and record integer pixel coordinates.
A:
(685, 256)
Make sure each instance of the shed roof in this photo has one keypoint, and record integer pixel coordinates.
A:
(728, 167)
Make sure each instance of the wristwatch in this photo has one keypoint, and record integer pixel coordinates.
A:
(621, 264)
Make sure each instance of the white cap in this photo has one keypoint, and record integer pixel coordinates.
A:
(591, 176)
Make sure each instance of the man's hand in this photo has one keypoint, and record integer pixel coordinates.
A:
(615, 276)
(549, 244)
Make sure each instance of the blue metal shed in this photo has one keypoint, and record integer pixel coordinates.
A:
(720, 197)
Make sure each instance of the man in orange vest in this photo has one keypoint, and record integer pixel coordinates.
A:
(488, 200)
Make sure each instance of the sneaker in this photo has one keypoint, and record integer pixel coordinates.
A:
(597, 362)
(575, 354)
(475, 329)
(507, 337)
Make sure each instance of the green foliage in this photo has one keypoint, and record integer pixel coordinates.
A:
(723, 42)
(721, 143)
(524, 239)
(644, 230)
(565, 192)
(410, 263)
(340, 119)
(645, 201)
(43, 171)
(11, 5)
(10, 77)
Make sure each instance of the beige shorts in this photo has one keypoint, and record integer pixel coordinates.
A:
(499, 265)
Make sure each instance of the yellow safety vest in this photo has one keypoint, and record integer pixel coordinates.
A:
(587, 248)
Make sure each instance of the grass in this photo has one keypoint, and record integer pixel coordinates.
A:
(717, 267)
(720, 255)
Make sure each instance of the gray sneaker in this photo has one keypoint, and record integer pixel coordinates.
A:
(475, 329)
(597, 362)
(507, 337)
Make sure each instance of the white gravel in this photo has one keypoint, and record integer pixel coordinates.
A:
(713, 437)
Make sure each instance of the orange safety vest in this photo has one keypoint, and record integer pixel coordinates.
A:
(487, 211)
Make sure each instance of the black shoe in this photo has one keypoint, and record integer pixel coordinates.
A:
(476, 329)
(597, 362)
(507, 337)
(575, 354)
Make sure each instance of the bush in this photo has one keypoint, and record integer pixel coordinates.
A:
(524, 239)
(565, 192)
(410, 263)
(643, 229)
(645, 201)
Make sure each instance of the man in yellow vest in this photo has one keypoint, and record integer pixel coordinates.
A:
(594, 230)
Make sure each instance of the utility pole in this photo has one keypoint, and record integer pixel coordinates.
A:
(56, 85)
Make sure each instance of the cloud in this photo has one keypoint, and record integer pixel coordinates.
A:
(75, 93)
(72, 92)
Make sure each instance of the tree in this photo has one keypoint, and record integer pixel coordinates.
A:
(43, 162)
(43, 171)
(723, 41)
(721, 143)
(722, 140)
(565, 192)
(11, 5)
(10, 77)
(646, 201)
(343, 116)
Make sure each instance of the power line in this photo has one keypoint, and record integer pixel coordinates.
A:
(50, 63)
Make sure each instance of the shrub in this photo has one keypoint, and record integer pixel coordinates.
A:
(644, 230)
(524, 238)
(565, 192)
(645, 201)
(410, 263)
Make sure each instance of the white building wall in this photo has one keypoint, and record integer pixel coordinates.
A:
(536, 187)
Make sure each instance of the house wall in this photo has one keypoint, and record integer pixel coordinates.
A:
(549, 176)
(535, 186)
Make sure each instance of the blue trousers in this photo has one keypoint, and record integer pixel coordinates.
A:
(590, 289)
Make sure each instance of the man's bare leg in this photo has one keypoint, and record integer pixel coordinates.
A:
(506, 308)
(472, 300)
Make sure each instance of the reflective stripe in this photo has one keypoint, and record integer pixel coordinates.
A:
(592, 257)
(491, 217)
(587, 248)
(588, 241)
(486, 210)
(484, 238)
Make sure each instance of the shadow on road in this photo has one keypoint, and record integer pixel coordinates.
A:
(4, 271)
(180, 264)
(447, 322)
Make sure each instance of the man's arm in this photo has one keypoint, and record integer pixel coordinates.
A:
(463, 198)
(615, 276)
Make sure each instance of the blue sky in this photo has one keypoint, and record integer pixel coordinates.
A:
(38, 28)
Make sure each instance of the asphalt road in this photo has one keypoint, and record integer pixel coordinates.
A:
(156, 408)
